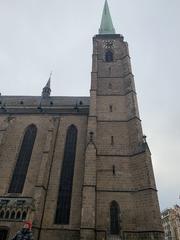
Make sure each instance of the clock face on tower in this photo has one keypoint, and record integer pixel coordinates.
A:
(109, 44)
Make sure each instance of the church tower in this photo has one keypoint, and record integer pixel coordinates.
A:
(119, 191)
(78, 167)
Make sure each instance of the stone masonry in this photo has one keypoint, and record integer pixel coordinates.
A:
(112, 161)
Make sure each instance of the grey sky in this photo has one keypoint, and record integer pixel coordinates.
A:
(37, 36)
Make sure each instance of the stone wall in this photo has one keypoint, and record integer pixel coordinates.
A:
(43, 176)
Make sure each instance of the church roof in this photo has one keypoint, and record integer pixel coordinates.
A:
(37, 104)
(106, 22)
(34, 100)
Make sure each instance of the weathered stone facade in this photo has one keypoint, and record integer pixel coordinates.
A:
(112, 163)
(171, 222)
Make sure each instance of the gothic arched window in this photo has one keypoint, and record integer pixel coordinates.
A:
(7, 214)
(109, 56)
(21, 168)
(18, 215)
(2, 214)
(66, 179)
(13, 215)
(114, 218)
(24, 215)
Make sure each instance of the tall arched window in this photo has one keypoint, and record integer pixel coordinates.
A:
(2, 214)
(24, 215)
(114, 218)
(13, 215)
(18, 215)
(109, 56)
(7, 214)
(66, 179)
(20, 171)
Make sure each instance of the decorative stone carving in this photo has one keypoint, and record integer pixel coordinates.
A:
(18, 209)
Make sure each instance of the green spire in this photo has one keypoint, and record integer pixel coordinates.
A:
(106, 22)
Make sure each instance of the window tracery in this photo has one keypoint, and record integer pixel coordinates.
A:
(16, 209)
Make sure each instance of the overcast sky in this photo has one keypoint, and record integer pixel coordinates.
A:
(40, 36)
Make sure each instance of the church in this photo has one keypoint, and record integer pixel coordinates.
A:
(80, 167)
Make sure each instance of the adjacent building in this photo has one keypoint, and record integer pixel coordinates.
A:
(80, 167)
(171, 223)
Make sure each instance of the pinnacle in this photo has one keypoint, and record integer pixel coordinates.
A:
(47, 89)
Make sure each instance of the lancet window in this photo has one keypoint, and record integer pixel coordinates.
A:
(66, 179)
(21, 168)
(114, 218)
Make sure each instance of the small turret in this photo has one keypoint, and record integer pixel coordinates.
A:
(47, 89)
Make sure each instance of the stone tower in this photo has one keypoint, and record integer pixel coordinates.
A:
(119, 192)
(80, 167)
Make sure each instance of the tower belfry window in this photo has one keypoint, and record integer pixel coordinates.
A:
(109, 56)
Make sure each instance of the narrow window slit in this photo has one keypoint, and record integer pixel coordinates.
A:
(110, 108)
(110, 86)
(114, 170)
(112, 140)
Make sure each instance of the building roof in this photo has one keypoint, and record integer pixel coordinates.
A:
(37, 104)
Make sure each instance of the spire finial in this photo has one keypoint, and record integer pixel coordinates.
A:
(50, 75)
(106, 22)
(49, 80)
(47, 89)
